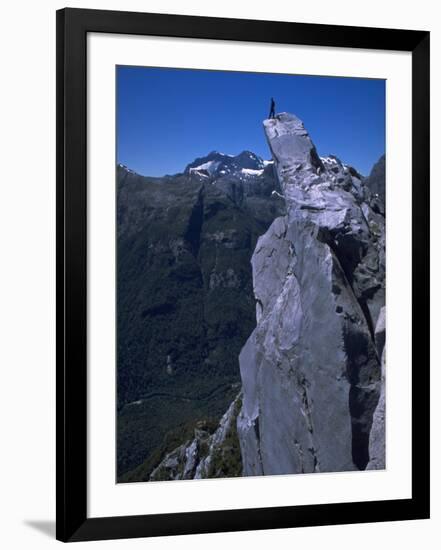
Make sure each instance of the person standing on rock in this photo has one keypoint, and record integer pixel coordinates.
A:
(272, 112)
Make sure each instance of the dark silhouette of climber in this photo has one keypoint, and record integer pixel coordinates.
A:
(272, 112)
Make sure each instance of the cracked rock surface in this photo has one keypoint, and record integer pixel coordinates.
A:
(311, 369)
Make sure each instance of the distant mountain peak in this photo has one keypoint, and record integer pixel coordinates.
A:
(217, 164)
(125, 168)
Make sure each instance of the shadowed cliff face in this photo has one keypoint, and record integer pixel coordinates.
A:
(185, 303)
(310, 370)
(376, 179)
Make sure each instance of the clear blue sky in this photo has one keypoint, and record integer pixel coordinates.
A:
(168, 117)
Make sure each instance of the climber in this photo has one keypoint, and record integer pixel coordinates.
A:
(272, 112)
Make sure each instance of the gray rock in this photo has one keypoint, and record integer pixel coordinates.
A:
(377, 438)
(291, 146)
(310, 371)
(376, 181)
(380, 331)
(207, 455)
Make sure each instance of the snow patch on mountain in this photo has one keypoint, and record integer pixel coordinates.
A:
(210, 167)
(252, 172)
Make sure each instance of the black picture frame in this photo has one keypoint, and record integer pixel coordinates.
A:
(71, 321)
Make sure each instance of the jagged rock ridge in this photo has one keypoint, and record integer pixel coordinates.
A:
(311, 373)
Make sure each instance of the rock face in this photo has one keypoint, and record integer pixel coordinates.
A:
(377, 439)
(185, 303)
(311, 373)
(208, 454)
(376, 179)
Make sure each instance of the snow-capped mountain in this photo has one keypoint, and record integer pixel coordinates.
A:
(219, 164)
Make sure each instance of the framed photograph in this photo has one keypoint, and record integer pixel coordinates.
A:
(242, 275)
